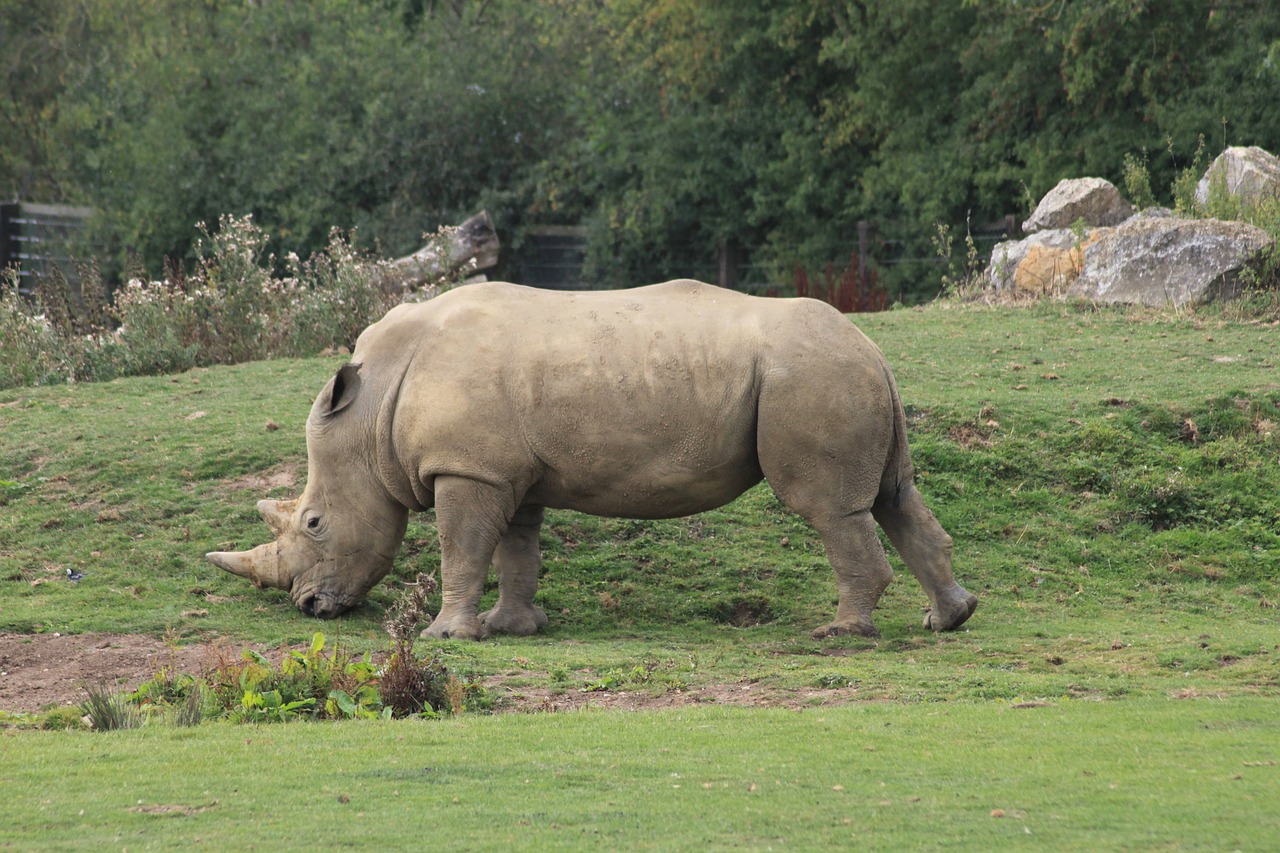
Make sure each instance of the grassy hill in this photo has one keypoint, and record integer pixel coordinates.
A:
(1103, 474)
(1112, 483)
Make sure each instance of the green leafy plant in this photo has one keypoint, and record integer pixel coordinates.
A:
(366, 704)
(316, 682)
(1137, 180)
(268, 706)
(311, 683)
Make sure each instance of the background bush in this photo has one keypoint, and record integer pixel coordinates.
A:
(231, 308)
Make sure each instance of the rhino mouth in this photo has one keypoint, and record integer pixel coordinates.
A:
(322, 605)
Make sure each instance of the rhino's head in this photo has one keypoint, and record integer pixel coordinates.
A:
(340, 537)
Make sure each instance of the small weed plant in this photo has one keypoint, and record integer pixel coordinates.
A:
(963, 278)
(1137, 181)
(411, 686)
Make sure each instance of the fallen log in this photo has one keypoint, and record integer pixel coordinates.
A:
(473, 242)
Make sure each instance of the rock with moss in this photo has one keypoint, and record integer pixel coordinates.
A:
(1168, 262)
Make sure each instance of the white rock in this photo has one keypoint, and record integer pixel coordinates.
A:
(1094, 200)
(1166, 262)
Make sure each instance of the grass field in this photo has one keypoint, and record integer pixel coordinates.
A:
(1133, 775)
(1112, 481)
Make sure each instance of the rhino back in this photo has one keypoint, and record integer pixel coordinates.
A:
(640, 402)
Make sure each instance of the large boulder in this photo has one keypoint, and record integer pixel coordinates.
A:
(1248, 173)
(1094, 201)
(1045, 263)
(1165, 262)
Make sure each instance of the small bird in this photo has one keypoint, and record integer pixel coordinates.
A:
(73, 575)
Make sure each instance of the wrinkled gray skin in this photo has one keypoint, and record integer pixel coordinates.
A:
(494, 401)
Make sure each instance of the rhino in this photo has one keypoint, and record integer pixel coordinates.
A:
(495, 401)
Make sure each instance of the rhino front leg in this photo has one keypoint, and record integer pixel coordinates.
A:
(471, 517)
(517, 560)
(926, 549)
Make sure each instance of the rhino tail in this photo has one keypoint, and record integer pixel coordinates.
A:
(899, 473)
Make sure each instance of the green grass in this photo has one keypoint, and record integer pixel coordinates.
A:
(1112, 482)
(1069, 497)
(1145, 774)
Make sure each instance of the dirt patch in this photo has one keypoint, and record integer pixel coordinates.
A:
(42, 670)
(261, 482)
(39, 671)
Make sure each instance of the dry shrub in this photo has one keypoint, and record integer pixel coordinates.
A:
(410, 686)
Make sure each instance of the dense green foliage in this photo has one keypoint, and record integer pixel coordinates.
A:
(316, 684)
(670, 128)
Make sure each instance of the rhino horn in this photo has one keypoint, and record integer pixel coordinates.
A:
(277, 514)
(261, 565)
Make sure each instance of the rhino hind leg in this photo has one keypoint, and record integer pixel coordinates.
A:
(517, 561)
(862, 572)
(471, 517)
(926, 549)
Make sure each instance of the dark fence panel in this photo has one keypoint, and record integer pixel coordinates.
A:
(552, 256)
(886, 252)
(36, 237)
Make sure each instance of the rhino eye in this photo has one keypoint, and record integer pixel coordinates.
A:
(313, 522)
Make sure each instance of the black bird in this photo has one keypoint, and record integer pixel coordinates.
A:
(73, 575)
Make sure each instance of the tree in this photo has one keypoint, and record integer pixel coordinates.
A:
(391, 118)
(674, 129)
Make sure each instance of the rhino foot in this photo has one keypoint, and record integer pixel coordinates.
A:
(517, 621)
(457, 626)
(951, 613)
(848, 627)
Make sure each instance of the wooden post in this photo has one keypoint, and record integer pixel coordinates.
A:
(864, 251)
(730, 258)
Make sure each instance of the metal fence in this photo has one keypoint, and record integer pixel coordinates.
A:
(34, 238)
(552, 256)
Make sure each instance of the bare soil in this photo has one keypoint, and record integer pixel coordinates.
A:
(40, 671)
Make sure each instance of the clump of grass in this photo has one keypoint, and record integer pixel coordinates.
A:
(108, 710)
(191, 711)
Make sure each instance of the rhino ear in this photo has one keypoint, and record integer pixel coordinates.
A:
(342, 389)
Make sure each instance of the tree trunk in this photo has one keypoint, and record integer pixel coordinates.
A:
(473, 240)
